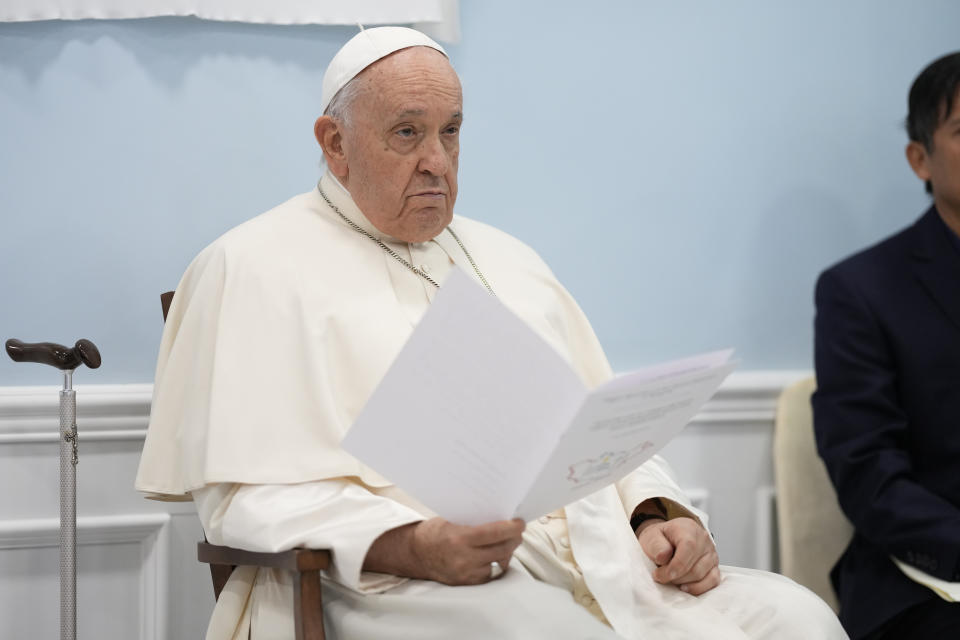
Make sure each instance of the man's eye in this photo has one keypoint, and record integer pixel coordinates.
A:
(452, 130)
(405, 132)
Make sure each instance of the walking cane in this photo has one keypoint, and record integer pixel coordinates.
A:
(65, 359)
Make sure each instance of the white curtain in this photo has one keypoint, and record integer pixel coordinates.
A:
(439, 18)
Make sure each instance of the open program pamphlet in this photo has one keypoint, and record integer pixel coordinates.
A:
(480, 419)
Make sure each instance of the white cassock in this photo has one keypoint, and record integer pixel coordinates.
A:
(278, 333)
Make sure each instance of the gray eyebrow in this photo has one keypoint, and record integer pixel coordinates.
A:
(457, 115)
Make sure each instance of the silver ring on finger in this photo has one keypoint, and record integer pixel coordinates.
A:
(495, 570)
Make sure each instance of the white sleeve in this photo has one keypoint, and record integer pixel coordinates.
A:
(325, 514)
(654, 479)
(949, 591)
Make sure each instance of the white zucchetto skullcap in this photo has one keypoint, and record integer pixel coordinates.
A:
(364, 49)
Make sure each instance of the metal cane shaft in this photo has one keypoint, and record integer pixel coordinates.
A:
(68, 512)
(65, 359)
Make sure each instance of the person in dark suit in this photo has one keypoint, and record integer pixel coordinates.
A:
(887, 407)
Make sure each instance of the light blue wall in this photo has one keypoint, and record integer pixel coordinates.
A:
(686, 167)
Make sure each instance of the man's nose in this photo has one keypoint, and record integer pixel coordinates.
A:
(434, 158)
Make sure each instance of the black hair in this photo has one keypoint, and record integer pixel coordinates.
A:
(931, 100)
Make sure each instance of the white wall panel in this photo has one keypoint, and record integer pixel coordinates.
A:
(137, 571)
(122, 577)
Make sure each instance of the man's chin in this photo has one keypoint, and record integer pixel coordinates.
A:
(425, 224)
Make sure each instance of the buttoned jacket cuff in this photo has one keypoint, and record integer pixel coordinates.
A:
(949, 591)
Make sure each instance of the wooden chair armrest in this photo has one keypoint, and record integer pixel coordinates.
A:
(292, 560)
(307, 563)
(307, 589)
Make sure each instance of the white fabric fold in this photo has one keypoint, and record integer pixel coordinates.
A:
(632, 601)
(328, 514)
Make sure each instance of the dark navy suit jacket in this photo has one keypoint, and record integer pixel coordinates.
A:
(887, 415)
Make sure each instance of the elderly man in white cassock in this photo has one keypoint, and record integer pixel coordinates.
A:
(278, 334)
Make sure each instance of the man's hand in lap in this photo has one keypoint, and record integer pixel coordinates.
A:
(455, 554)
(444, 552)
(684, 553)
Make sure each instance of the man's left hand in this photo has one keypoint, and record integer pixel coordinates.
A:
(684, 553)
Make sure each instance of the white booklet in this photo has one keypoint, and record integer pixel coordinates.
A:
(480, 419)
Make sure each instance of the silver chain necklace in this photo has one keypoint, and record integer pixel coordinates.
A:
(397, 256)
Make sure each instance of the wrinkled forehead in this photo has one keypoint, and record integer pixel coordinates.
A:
(413, 69)
(410, 83)
(364, 50)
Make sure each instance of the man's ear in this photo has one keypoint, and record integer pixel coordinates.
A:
(917, 157)
(330, 136)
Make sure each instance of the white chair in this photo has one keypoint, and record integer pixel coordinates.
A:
(813, 531)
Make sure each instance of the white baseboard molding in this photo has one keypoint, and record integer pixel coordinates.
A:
(32, 533)
(748, 397)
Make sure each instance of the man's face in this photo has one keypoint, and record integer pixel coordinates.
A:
(941, 164)
(402, 144)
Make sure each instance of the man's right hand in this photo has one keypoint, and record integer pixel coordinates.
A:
(455, 554)
(444, 552)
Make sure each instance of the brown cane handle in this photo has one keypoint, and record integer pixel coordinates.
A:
(55, 355)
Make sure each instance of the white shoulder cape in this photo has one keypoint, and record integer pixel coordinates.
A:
(280, 330)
